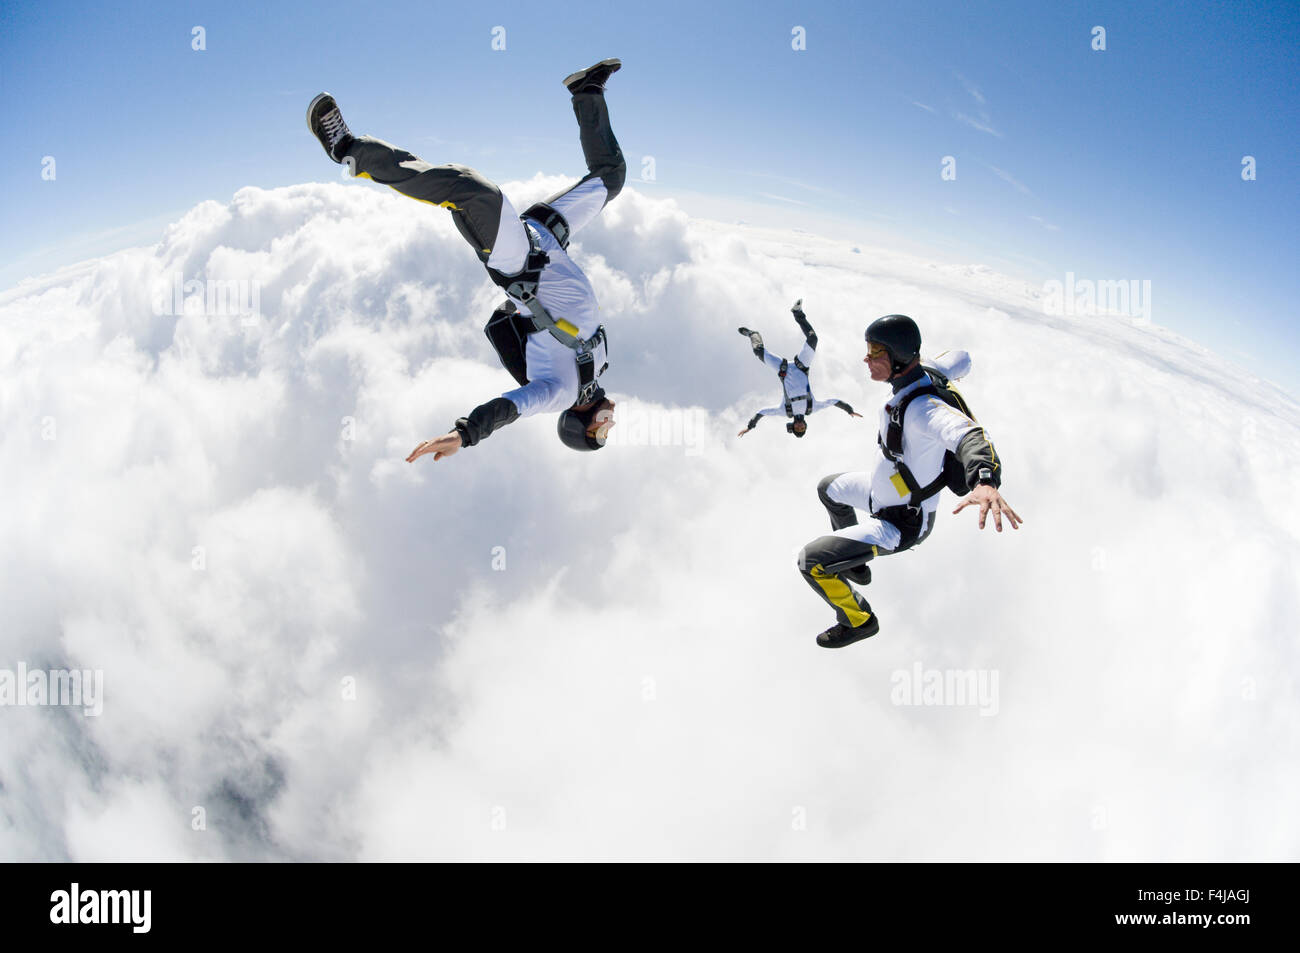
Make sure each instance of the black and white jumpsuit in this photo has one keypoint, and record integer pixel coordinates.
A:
(796, 391)
(500, 238)
(930, 429)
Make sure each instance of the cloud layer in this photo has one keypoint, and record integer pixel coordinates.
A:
(313, 650)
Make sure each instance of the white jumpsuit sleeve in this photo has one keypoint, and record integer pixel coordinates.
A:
(552, 378)
(933, 421)
(823, 404)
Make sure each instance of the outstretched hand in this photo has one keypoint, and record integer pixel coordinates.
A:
(853, 414)
(745, 431)
(440, 447)
(988, 498)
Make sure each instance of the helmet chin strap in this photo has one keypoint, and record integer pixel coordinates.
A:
(898, 369)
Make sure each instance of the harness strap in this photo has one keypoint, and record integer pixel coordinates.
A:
(912, 524)
(551, 220)
(523, 287)
(892, 447)
(789, 401)
(920, 493)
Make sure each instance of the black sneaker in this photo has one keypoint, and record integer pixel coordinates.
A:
(838, 636)
(797, 310)
(326, 124)
(593, 78)
(861, 575)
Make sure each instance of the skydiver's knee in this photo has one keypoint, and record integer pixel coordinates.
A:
(808, 557)
(823, 490)
(614, 179)
(820, 552)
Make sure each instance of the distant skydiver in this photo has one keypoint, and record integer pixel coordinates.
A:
(546, 333)
(928, 440)
(798, 396)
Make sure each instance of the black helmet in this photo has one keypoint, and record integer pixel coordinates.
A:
(899, 335)
(798, 419)
(573, 424)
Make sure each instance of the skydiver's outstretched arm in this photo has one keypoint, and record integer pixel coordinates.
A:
(983, 469)
(544, 393)
(468, 431)
(842, 405)
(766, 412)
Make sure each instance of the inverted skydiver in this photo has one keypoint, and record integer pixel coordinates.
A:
(546, 333)
(798, 400)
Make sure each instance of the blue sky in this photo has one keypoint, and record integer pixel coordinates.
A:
(1122, 164)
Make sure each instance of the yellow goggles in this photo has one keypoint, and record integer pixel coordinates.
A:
(875, 349)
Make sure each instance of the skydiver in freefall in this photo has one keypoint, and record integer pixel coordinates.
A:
(546, 333)
(798, 400)
(928, 441)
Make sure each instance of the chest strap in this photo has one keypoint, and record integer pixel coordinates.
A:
(789, 401)
(891, 445)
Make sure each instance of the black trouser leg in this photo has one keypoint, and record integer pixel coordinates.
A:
(809, 335)
(841, 514)
(474, 201)
(817, 565)
(599, 147)
(603, 156)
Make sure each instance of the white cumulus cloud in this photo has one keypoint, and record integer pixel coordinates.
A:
(313, 650)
